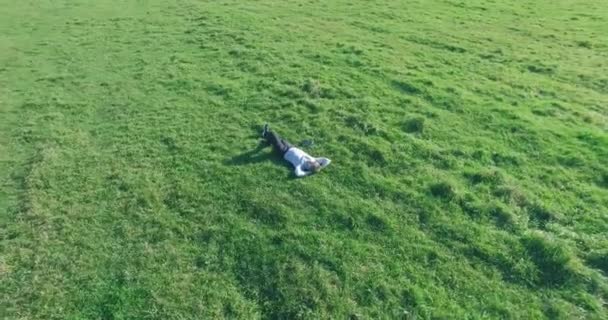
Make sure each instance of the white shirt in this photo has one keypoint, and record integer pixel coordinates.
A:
(298, 158)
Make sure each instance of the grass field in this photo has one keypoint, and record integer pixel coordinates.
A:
(469, 142)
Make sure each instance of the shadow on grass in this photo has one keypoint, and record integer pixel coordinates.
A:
(255, 156)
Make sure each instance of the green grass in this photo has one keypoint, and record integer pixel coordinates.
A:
(469, 143)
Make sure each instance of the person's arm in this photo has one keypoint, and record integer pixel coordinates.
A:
(324, 162)
(301, 173)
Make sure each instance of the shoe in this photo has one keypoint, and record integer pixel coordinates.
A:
(265, 130)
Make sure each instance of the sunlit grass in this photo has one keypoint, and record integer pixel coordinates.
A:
(468, 141)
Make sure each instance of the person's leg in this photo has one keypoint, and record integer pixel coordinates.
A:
(286, 145)
(277, 142)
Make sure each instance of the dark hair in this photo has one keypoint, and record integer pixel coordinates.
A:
(313, 165)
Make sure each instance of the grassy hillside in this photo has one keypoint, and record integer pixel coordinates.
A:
(469, 142)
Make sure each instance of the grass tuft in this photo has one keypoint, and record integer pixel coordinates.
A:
(414, 125)
(598, 259)
(503, 215)
(491, 176)
(443, 190)
(551, 257)
(540, 216)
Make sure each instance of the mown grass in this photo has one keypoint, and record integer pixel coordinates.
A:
(469, 145)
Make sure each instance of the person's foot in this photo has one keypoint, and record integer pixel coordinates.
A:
(265, 130)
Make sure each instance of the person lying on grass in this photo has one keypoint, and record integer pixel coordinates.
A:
(303, 163)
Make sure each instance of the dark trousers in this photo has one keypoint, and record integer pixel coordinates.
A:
(277, 142)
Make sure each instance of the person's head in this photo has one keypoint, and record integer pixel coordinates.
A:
(313, 166)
